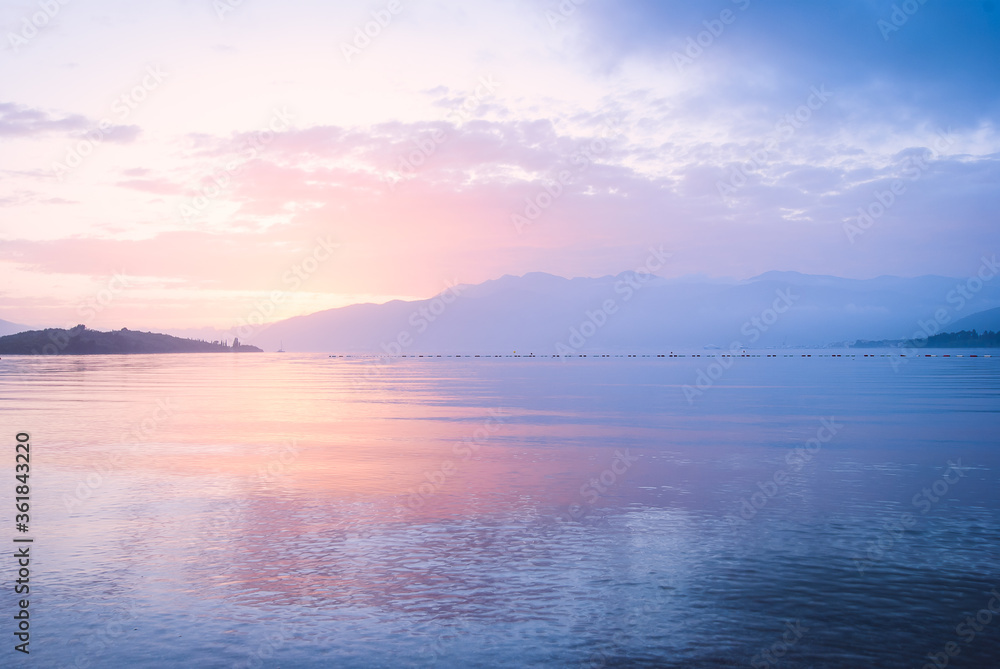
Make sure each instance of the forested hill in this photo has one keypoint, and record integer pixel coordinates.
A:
(81, 341)
(963, 339)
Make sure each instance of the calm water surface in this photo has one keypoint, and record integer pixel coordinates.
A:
(301, 511)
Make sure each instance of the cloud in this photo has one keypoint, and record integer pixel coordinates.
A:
(458, 204)
(22, 121)
(157, 186)
(19, 198)
(121, 134)
(399, 156)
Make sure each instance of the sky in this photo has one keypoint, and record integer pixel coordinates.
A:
(182, 163)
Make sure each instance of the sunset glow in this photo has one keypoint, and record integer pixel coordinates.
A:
(206, 150)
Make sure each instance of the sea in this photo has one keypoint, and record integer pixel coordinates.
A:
(780, 508)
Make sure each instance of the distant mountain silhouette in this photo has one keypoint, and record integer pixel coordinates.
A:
(960, 339)
(542, 313)
(6, 327)
(81, 341)
(965, 339)
(981, 321)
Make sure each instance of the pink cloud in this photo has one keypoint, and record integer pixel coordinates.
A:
(158, 186)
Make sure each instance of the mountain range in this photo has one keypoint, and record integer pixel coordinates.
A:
(542, 313)
(982, 321)
(632, 312)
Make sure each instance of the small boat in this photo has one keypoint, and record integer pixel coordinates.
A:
(281, 347)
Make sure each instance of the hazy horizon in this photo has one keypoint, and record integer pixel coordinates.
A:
(89, 306)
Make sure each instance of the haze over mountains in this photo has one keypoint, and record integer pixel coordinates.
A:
(6, 327)
(981, 321)
(542, 313)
